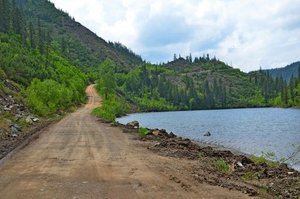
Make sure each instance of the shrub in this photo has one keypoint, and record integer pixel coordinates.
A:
(112, 107)
(143, 131)
(222, 166)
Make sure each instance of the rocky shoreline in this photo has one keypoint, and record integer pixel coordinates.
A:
(221, 167)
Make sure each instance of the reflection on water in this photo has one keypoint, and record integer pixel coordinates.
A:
(252, 131)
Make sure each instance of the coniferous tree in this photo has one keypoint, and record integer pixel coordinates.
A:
(299, 73)
(175, 57)
(16, 19)
(32, 36)
(41, 37)
(190, 58)
(291, 85)
(63, 45)
(4, 16)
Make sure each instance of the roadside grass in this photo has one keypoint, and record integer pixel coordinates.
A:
(251, 176)
(262, 159)
(222, 166)
(143, 131)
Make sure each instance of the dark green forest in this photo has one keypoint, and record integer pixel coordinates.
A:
(53, 58)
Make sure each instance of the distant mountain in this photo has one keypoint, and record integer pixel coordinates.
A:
(287, 72)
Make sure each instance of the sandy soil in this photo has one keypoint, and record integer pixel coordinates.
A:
(81, 157)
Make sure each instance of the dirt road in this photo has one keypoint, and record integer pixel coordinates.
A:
(80, 157)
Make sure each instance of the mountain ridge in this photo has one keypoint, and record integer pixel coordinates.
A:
(286, 72)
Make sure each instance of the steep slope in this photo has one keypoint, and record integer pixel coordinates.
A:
(287, 72)
(77, 43)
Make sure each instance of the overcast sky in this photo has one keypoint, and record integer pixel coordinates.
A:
(245, 33)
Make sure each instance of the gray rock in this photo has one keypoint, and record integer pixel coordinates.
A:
(240, 164)
(18, 116)
(28, 120)
(7, 109)
(133, 124)
(15, 128)
(35, 119)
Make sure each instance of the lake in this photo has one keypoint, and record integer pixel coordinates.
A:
(251, 131)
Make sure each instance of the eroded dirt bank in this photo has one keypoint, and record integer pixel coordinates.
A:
(81, 157)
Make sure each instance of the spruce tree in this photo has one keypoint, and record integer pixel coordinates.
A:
(299, 73)
(41, 40)
(4, 16)
(31, 36)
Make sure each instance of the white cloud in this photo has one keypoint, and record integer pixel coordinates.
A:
(246, 33)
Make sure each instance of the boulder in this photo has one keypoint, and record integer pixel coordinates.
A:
(15, 128)
(133, 124)
(239, 164)
(14, 135)
(28, 120)
(7, 109)
(31, 119)
(156, 132)
(172, 135)
(207, 134)
(35, 119)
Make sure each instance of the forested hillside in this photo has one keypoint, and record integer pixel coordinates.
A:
(76, 43)
(198, 83)
(31, 59)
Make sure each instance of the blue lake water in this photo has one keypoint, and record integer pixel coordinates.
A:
(248, 130)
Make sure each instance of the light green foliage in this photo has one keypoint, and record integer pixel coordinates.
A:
(143, 131)
(47, 97)
(263, 159)
(146, 104)
(251, 176)
(222, 166)
(52, 83)
(107, 82)
(112, 107)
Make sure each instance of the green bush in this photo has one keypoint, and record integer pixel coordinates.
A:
(112, 107)
(143, 131)
(222, 166)
(47, 97)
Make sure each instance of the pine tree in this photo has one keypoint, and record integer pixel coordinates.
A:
(63, 45)
(4, 16)
(16, 19)
(207, 57)
(48, 43)
(299, 73)
(190, 58)
(18, 22)
(41, 37)
(31, 36)
(292, 89)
